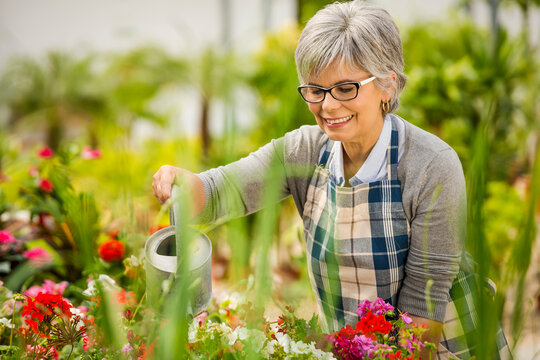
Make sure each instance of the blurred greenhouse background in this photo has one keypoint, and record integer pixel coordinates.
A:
(117, 89)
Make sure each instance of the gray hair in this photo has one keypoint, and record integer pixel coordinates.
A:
(358, 35)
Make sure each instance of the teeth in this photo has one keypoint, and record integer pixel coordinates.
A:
(338, 121)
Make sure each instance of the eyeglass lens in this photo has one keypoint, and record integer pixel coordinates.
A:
(341, 92)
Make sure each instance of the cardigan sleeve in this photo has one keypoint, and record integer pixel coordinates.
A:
(437, 232)
(237, 189)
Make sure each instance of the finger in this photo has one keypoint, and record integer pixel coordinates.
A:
(165, 191)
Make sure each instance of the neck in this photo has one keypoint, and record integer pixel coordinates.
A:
(355, 153)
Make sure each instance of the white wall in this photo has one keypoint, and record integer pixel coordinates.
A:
(33, 27)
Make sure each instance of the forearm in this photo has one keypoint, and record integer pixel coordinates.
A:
(237, 189)
(195, 188)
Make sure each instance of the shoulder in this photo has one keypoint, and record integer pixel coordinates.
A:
(423, 150)
(427, 163)
(429, 166)
(304, 144)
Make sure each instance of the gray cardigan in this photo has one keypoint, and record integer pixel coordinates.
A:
(433, 195)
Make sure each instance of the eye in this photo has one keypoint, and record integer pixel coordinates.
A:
(345, 89)
(314, 91)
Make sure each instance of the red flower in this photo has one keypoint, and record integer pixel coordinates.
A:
(371, 324)
(46, 185)
(148, 352)
(114, 234)
(89, 153)
(127, 298)
(46, 152)
(112, 250)
(41, 310)
(155, 228)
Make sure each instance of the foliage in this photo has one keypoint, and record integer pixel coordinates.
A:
(61, 93)
(48, 325)
(451, 86)
(281, 109)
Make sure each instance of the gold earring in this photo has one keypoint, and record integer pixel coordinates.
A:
(385, 106)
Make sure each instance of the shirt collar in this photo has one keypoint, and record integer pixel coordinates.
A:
(373, 164)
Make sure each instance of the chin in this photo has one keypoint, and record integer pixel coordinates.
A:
(337, 134)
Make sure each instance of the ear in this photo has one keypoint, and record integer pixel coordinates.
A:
(390, 81)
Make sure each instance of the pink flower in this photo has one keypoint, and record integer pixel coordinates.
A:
(127, 349)
(8, 307)
(86, 342)
(6, 237)
(33, 171)
(406, 319)
(89, 153)
(83, 309)
(364, 344)
(201, 318)
(49, 287)
(46, 152)
(38, 257)
(378, 307)
(8, 242)
(46, 185)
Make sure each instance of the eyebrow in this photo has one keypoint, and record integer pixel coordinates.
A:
(336, 83)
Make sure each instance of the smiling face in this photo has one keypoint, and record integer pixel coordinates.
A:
(353, 122)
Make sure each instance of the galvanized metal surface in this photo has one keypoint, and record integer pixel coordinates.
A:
(161, 251)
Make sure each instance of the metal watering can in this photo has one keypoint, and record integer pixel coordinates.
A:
(161, 250)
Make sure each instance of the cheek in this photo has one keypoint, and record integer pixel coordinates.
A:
(314, 108)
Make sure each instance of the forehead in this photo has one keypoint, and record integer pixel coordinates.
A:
(335, 72)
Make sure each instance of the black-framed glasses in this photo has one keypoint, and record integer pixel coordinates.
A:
(342, 92)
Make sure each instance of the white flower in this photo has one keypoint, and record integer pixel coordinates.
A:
(106, 282)
(77, 312)
(134, 261)
(300, 348)
(7, 323)
(285, 341)
(269, 349)
(228, 333)
(230, 301)
(236, 299)
(77, 315)
(192, 331)
(319, 354)
(242, 333)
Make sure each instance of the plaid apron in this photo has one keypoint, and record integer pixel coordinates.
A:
(357, 243)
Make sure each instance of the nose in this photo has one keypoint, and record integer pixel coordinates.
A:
(329, 103)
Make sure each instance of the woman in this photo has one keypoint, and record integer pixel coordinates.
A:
(382, 201)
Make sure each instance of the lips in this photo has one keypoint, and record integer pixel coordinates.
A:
(337, 121)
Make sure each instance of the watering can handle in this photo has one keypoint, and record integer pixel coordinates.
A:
(175, 205)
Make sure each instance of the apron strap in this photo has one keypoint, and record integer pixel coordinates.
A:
(392, 153)
(328, 151)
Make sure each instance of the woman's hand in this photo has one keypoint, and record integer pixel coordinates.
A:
(432, 335)
(162, 182)
(164, 179)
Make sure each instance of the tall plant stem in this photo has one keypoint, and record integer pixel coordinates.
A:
(70, 351)
(137, 309)
(12, 322)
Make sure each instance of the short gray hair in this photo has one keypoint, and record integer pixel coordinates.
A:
(357, 34)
